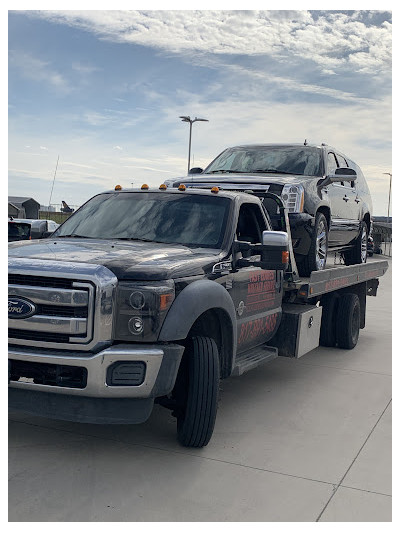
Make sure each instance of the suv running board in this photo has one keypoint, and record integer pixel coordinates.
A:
(251, 359)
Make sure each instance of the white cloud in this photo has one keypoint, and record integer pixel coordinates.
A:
(38, 70)
(333, 41)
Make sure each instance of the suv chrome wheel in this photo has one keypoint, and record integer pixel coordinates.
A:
(318, 252)
(364, 244)
(322, 245)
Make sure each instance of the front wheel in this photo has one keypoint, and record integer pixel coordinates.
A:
(318, 253)
(197, 392)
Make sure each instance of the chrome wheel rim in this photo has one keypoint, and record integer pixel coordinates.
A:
(364, 245)
(321, 247)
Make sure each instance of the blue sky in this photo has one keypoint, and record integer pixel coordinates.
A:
(103, 90)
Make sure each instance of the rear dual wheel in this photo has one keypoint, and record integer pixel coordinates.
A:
(340, 323)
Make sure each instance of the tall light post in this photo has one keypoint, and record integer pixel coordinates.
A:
(188, 119)
(390, 190)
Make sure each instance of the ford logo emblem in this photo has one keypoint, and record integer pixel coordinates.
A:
(20, 308)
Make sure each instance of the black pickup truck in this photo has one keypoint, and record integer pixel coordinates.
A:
(146, 296)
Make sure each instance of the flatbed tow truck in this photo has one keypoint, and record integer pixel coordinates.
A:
(147, 296)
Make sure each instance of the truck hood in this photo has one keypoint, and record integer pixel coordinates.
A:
(127, 260)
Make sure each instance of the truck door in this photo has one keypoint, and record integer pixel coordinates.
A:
(256, 293)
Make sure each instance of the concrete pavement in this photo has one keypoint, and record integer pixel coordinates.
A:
(295, 440)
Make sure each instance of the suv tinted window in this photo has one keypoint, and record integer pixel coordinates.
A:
(342, 161)
(331, 163)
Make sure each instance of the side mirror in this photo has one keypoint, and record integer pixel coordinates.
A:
(274, 251)
(195, 170)
(341, 174)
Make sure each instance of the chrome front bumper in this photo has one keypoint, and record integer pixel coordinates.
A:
(162, 363)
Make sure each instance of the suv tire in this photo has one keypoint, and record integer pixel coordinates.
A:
(318, 252)
(199, 382)
(358, 254)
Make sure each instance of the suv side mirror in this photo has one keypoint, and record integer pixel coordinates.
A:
(274, 251)
(341, 174)
(195, 170)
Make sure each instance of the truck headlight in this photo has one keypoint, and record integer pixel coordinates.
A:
(141, 308)
(293, 198)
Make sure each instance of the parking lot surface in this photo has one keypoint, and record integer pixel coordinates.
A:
(295, 440)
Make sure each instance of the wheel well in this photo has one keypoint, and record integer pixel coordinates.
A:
(216, 324)
(326, 212)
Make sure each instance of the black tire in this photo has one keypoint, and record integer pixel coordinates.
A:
(199, 383)
(318, 252)
(327, 336)
(348, 321)
(358, 254)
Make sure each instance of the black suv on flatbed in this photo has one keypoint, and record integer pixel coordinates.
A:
(325, 192)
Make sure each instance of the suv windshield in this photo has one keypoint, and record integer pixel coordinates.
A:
(187, 219)
(298, 160)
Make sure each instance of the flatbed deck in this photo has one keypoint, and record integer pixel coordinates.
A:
(335, 277)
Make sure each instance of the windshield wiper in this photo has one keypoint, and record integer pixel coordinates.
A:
(74, 235)
(133, 239)
(271, 171)
(222, 170)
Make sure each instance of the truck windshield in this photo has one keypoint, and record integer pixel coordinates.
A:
(191, 220)
(297, 160)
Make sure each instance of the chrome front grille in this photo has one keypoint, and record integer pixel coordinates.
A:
(73, 304)
(64, 314)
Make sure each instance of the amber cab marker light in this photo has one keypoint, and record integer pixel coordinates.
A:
(215, 190)
(285, 257)
(162, 187)
(182, 187)
(144, 187)
(118, 188)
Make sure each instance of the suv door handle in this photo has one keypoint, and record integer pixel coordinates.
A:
(357, 200)
(346, 198)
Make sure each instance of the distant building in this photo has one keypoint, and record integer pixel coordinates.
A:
(23, 207)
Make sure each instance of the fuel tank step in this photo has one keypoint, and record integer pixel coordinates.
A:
(251, 359)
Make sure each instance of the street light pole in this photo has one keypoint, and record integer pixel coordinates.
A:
(390, 190)
(188, 119)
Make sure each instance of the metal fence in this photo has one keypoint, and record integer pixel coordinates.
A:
(55, 213)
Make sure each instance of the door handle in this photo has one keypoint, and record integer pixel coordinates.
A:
(346, 198)
(357, 200)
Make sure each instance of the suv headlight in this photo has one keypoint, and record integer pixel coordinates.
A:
(141, 309)
(293, 198)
